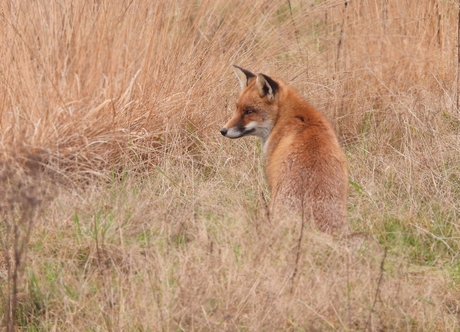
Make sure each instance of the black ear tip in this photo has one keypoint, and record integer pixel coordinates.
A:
(275, 86)
(246, 72)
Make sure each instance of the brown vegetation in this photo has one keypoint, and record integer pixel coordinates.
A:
(159, 223)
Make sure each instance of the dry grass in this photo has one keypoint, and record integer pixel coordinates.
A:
(158, 223)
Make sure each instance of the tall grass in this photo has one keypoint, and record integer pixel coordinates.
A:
(158, 223)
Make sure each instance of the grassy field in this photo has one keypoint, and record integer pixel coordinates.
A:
(123, 208)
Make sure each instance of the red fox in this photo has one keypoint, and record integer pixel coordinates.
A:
(306, 168)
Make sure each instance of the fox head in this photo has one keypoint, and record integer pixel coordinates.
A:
(256, 108)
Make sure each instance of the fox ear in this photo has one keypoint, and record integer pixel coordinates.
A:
(243, 76)
(266, 87)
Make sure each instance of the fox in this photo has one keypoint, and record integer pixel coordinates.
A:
(306, 167)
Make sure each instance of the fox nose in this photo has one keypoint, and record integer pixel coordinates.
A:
(223, 131)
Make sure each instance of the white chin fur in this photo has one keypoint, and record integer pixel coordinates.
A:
(253, 128)
(233, 133)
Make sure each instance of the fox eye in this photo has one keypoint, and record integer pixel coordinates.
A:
(247, 112)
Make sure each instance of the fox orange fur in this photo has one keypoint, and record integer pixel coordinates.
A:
(306, 167)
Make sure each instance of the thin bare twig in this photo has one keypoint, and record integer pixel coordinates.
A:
(458, 54)
(299, 244)
(296, 33)
(377, 290)
(339, 43)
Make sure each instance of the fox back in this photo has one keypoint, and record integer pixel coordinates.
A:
(306, 167)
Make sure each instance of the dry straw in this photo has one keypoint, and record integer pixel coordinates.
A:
(160, 224)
